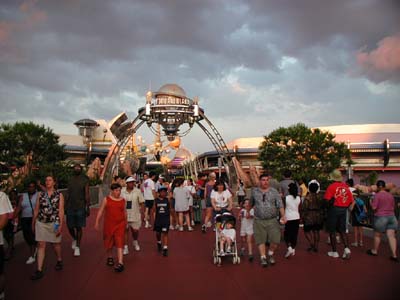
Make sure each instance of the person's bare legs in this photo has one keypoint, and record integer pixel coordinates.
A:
(187, 216)
(356, 234)
(262, 249)
(57, 250)
(377, 241)
(250, 244)
(40, 255)
(120, 256)
(391, 235)
(207, 219)
(180, 219)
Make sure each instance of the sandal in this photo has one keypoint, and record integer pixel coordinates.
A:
(119, 268)
(110, 262)
(59, 265)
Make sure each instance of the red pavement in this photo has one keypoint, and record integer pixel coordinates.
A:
(188, 273)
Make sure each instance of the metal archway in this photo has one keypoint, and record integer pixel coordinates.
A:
(170, 108)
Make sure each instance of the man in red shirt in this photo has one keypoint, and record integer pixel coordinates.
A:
(339, 197)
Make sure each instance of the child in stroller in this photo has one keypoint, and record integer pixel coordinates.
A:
(225, 238)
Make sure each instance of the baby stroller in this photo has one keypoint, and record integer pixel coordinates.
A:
(221, 221)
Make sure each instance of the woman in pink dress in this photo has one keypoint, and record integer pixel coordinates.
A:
(114, 209)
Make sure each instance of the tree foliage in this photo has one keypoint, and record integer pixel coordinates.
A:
(25, 139)
(308, 153)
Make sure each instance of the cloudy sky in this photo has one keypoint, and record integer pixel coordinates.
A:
(255, 65)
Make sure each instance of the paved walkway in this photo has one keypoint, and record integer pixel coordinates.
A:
(188, 273)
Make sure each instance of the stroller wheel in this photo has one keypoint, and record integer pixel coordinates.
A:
(238, 260)
(215, 260)
(234, 260)
(219, 260)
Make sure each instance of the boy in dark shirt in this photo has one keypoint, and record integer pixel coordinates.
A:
(161, 223)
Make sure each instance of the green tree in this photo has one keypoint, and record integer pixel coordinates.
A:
(308, 153)
(25, 143)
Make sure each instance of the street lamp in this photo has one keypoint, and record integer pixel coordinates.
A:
(86, 128)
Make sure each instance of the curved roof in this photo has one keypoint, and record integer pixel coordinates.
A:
(86, 123)
(171, 89)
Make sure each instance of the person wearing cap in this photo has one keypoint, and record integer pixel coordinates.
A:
(134, 203)
(77, 206)
(339, 198)
(312, 213)
(384, 220)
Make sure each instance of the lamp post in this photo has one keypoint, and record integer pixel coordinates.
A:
(86, 128)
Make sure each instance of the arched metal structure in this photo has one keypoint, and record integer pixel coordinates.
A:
(171, 108)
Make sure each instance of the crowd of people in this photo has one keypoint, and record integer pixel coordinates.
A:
(262, 212)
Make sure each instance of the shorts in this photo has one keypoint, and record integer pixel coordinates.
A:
(208, 203)
(381, 224)
(336, 220)
(267, 231)
(45, 232)
(161, 228)
(190, 201)
(354, 221)
(134, 225)
(246, 230)
(312, 227)
(76, 218)
(148, 204)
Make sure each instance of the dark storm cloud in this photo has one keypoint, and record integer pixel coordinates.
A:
(95, 58)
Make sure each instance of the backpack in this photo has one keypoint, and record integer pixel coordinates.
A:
(361, 216)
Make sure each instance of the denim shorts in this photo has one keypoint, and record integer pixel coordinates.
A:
(381, 224)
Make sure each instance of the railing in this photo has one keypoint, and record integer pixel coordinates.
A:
(367, 198)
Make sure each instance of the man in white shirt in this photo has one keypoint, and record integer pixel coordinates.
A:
(5, 209)
(134, 202)
(149, 194)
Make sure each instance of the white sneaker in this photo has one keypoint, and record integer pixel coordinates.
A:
(73, 244)
(190, 228)
(77, 251)
(126, 250)
(222, 253)
(136, 245)
(176, 227)
(209, 224)
(30, 260)
(192, 223)
(180, 228)
(333, 254)
(346, 253)
(289, 252)
(171, 227)
(147, 225)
